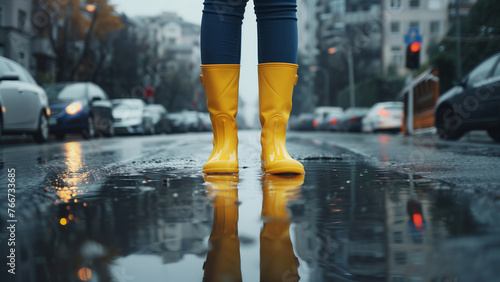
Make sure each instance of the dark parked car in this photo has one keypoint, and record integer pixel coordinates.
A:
(351, 119)
(303, 121)
(326, 118)
(79, 107)
(158, 113)
(24, 104)
(178, 122)
(473, 104)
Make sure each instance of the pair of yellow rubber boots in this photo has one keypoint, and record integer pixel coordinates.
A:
(276, 83)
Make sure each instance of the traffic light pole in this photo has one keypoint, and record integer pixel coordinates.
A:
(409, 110)
(351, 78)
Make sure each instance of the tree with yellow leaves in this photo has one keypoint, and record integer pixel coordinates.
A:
(72, 23)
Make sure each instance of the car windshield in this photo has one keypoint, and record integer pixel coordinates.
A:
(66, 92)
(356, 111)
(394, 108)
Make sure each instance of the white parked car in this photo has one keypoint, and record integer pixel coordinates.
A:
(130, 117)
(24, 104)
(387, 116)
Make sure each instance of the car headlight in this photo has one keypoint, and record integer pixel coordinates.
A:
(74, 108)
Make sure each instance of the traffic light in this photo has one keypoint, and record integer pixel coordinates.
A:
(413, 55)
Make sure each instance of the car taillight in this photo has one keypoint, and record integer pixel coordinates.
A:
(383, 112)
(354, 119)
(315, 123)
(334, 121)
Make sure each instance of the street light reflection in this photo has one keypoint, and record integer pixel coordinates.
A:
(72, 177)
(84, 274)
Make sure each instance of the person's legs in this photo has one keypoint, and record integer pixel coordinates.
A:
(277, 27)
(221, 31)
(220, 56)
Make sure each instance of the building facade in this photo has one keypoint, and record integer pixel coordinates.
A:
(15, 40)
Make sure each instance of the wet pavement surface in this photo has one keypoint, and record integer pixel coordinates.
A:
(139, 209)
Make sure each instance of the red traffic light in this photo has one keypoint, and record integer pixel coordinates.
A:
(415, 47)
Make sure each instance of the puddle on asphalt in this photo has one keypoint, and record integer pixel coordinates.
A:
(343, 221)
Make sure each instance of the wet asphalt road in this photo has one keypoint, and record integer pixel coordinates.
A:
(370, 208)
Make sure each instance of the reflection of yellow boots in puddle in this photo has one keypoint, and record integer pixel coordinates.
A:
(277, 260)
(223, 258)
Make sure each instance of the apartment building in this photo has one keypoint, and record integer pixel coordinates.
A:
(15, 38)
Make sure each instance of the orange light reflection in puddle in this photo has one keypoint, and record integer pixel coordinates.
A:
(67, 184)
(84, 274)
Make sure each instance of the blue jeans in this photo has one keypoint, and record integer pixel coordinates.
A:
(221, 31)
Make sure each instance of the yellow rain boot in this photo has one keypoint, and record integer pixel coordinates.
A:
(276, 82)
(277, 259)
(221, 88)
(223, 259)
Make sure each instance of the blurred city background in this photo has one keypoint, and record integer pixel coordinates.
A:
(352, 54)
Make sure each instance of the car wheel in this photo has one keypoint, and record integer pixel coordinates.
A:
(446, 128)
(494, 133)
(60, 136)
(42, 133)
(90, 130)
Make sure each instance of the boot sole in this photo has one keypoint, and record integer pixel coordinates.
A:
(283, 170)
(220, 171)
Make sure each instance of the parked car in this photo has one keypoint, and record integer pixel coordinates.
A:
(158, 113)
(79, 107)
(385, 116)
(303, 121)
(177, 122)
(131, 117)
(331, 122)
(324, 115)
(206, 123)
(473, 104)
(192, 120)
(351, 119)
(23, 102)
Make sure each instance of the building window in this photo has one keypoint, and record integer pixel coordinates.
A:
(435, 28)
(396, 56)
(397, 237)
(395, 27)
(414, 4)
(400, 258)
(415, 25)
(21, 19)
(435, 5)
(395, 4)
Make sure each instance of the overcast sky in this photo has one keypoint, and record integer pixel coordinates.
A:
(190, 10)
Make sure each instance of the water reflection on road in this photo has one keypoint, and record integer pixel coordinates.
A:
(343, 221)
